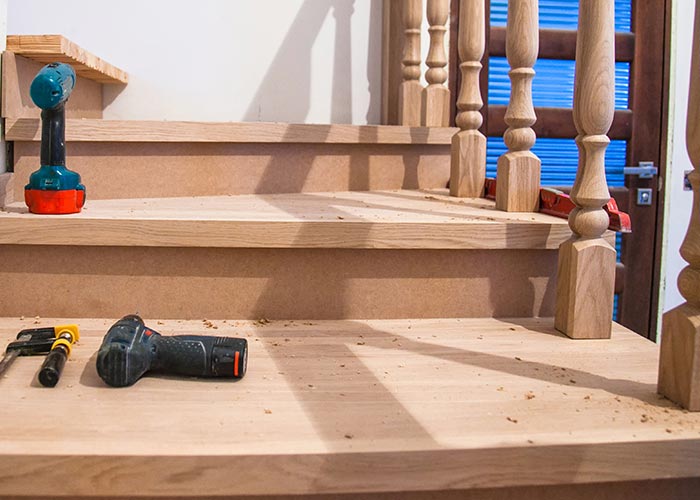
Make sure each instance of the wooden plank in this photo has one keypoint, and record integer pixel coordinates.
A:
(561, 44)
(398, 219)
(558, 123)
(56, 48)
(398, 405)
(17, 74)
(24, 129)
(305, 284)
(392, 48)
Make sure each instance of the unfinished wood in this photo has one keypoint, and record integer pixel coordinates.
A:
(402, 405)
(392, 67)
(518, 169)
(558, 123)
(561, 44)
(157, 170)
(234, 132)
(411, 90)
(436, 96)
(468, 161)
(679, 370)
(586, 274)
(56, 48)
(386, 219)
(17, 74)
(186, 283)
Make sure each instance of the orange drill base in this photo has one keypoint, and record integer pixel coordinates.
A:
(67, 201)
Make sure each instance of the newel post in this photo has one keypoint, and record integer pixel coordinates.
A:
(586, 271)
(436, 96)
(411, 90)
(468, 161)
(518, 173)
(679, 369)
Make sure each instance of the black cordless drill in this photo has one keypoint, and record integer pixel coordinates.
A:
(130, 349)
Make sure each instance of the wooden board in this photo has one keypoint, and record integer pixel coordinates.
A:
(308, 283)
(149, 170)
(17, 74)
(56, 48)
(389, 219)
(24, 129)
(362, 406)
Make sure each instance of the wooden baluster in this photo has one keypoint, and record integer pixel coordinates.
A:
(468, 163)
(411, 91)
(436, 97)
(586, 272)
(679, 369)
(518, 188)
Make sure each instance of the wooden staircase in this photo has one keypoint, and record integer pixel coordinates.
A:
(402, 340)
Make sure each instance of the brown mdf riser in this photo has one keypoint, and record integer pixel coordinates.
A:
(142, 170)
(356, 407)
(17, 74)
(197, 283)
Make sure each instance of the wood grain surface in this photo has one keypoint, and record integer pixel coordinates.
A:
(361, 406)
(388, 219)
(25, 129)
(57, 48)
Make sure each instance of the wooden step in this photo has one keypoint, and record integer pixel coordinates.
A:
(133, 159)
(57, 48)
(379, 219)
(396, 254)
(351, 407)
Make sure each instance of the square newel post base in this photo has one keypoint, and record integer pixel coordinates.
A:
(679, 366)
(585, 289)
(436, 106)
(518, 188)
(410, 103)
(468, 164)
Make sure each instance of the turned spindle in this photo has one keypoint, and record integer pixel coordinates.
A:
(679, 369)
(411, 91)
(468, 162)
(518, 188)
(436, 96)
(586, 271)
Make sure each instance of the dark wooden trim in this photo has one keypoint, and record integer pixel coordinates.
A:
(392, 50)
(647, 95)
(561, 44)
(453, 60)
(558, 123)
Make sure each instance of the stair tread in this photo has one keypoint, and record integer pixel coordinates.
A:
(350, 406)
(374, 219)
(57, 48)
(98, 130)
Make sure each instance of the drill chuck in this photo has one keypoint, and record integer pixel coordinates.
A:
(130, 349)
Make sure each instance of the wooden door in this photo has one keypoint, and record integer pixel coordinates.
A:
(642, 126)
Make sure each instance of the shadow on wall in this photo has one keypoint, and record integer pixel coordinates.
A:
(286, 89)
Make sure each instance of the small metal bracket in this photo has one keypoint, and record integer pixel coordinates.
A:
(644, 196)
(687, 186)
(645, 170)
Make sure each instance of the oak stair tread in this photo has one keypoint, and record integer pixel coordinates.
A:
(98, 130)
(350, 406)
(371, 219)
(57, 48)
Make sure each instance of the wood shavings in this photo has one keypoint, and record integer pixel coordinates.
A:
(511, 419)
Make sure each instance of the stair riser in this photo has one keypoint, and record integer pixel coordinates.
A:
(150, 170)
(196, 283)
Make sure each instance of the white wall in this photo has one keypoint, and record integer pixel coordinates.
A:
(312, 61)
(678, 201)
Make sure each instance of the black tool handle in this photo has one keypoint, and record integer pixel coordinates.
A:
(201, 356)
(53, 365)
